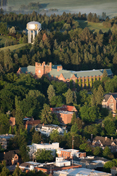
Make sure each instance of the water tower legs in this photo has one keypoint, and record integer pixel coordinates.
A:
(29, 36)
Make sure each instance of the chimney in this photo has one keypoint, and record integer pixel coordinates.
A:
(43, 63)
(106, 138)
(111, 138)
(4, 153)
(41, 142)
(50, 66)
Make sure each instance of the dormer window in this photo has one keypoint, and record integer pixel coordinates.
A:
(111, 100)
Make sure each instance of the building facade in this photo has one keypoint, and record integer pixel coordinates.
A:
(56, 72)
(69, 153)
(110, 102)
(4, 140)
(64, 113)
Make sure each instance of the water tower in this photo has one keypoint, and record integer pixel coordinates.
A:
(33, 27)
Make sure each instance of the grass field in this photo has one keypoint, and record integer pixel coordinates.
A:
(3, 39)
(14, 47)
(92, 26)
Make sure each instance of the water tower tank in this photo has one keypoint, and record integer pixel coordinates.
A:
(33, 25)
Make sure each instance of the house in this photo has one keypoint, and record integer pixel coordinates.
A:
(56, 72)
(33, 148)
(79, 172)
(69, 153)
(91, 162)
(64, 113)
(4, 140)
(31, 124)
(47, 129)
(114, 171)
(11, 157)
(110, 102)
(105, 141)
(12, 121)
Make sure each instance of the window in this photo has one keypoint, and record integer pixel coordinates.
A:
(111, 100)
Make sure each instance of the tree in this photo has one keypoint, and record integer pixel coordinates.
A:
(97, 151)
(36, 137)
(17, 171)
(69, 97)
(105, 73)
(73, 120)
(99, 95)
(74, 130)
(109, 126)
(5, 172)
(50, 92)
(43, 155)
(54, 135)
(106, 151)
(24, 152)
(46, 115)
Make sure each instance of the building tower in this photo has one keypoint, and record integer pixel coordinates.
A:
(33, 28)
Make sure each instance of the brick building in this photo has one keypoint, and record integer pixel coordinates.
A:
(56, 72)
(69, 153)
(64, 113)
(110, 102)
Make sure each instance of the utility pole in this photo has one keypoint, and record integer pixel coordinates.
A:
(72, 148)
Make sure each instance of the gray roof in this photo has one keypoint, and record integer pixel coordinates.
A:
(29, 69)
(68, 73)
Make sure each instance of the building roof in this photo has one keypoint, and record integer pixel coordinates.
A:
(28, 69)
(68, 73)
(105, 140)
(33, 122)
(106, 96)
(7, 136)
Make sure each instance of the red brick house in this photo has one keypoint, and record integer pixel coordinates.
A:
(110, 102)
(56, 72)
(69, 153)
(31, 124)
(64, 113)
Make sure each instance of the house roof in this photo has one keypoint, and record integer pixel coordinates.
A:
(33, 122)
(105, 141)
(106, 96)
(28, 69)
(68, 73)
(64, 108)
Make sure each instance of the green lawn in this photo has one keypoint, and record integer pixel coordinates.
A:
(3, 39)
(92, 26)
(14, 47)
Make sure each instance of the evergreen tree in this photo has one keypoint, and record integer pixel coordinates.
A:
(50, 92)
(69, 97)
(36, 137)
(105, 73)
(99, 95)
(73, 120)
(46, 116)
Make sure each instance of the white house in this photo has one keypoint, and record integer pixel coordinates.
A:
(60, 162)
(33, 148)
(47, 129)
